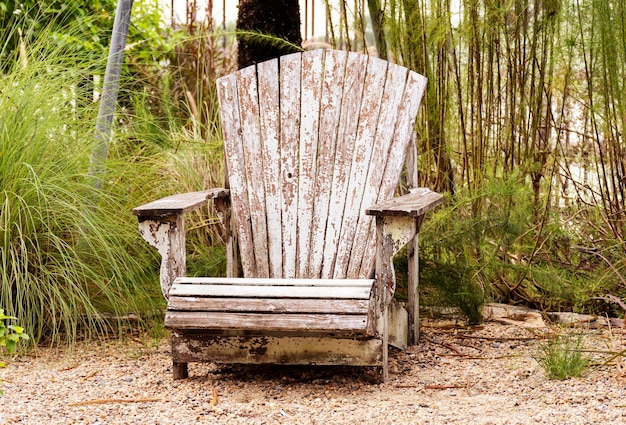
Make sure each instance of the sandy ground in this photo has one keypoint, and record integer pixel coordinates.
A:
(456, 375)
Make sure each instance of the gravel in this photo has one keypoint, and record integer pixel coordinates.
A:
(457, 375)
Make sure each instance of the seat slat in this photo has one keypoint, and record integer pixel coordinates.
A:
(331, 323)
(266, 305)
(266, 291)
(274, 282)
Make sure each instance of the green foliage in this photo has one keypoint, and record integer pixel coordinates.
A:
(563, 358)
(169, 155)
(451, 285)
(70, 258)
(23, 22)
(491, 241)
(10, 335)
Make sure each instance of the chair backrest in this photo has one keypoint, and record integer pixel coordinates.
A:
(311, 140)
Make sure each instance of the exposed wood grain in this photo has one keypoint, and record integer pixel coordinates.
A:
(414, 204)
(312, 67)
(178, 204)
(413, 307)
(268, 291)
(403, 130)
(331, 323)
(318, 283)
(402, 136)
(330, 109)
(233, 147)
(366, 132)
(391, 98)
(311, 140)
(268, 305)
(346, 135)
(270, 134)
(290, 69)
(167, 235)
(224, 212)
(283, 350)
(247, 88)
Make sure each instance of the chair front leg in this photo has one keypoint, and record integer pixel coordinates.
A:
(394, 232)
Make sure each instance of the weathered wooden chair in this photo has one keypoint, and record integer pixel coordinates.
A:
(315, 144)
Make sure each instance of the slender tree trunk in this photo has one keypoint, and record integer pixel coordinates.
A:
(278, 18)
(109, 91)
(377, 17)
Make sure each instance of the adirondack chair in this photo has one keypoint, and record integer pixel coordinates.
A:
(315, 144)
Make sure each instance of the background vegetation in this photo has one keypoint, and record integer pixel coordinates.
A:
(522, 129)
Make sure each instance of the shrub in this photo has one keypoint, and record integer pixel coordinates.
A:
(562, 358)
(70, 255)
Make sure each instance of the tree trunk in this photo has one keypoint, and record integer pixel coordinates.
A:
(110, 89)
(272, 20)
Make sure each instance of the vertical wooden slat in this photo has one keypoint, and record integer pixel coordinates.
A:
(309, 122)
(332, 89)
(233, 147)
(368, 119)
(290, 71)
(402, 137)
(411, 163)
(346, 135)
(270, 131)
(309, 109)
(392, 96)
(253, 165)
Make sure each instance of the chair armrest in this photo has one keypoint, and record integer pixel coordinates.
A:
(178, 204)
(162, 225)
(414, 204)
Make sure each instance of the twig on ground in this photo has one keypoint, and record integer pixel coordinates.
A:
(89, 375)
(443, 344)
(74, 366)
(470, 357)
(498, 339)
(215, 399)
(444, 387)
(114, 400)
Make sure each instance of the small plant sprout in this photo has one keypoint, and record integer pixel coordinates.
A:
(10, 335)
(563, 358)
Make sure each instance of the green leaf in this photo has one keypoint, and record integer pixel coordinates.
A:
(16, 329)
(11, 346)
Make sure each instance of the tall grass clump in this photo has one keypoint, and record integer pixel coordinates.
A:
(70, 255)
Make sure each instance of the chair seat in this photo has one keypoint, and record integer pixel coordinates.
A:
(299, 306)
